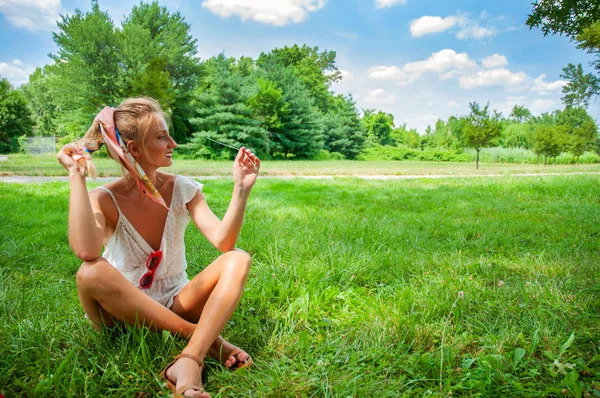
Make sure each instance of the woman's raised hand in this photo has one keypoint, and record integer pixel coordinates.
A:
(245, 168)
(65, 157)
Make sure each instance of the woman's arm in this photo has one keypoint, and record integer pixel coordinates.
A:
(86, 221)
(224, 234)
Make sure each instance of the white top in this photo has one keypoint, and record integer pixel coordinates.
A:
(128, 252)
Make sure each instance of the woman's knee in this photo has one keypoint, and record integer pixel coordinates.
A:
(238, 261)
(90, 272)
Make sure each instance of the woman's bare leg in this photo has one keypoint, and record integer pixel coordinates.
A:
(190, 302)
(214, 293)
(106, 295)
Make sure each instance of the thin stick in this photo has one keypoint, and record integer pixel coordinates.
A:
(232, 147)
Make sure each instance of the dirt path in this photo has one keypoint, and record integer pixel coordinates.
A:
(33, 179)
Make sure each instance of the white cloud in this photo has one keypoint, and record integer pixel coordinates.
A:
(379, 96)
(388, 3)
(472, 30)
(453, 104)
(346, 75)
(539, 85)
(494, 61)
(446, 63)
(32, 14)
(493, 77)
(16, 72)
(541, 106)
(427, 25)
(386, 73)
(275, 12)
(468, 28)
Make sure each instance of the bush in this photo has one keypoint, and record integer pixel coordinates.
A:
(326, 155)
(380, 152)
(521, 155)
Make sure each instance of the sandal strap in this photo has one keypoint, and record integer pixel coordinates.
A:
(190, 356)
(186, 387)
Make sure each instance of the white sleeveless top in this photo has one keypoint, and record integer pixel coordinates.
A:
(128, 252)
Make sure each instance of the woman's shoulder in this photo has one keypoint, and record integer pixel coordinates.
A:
(186, 181)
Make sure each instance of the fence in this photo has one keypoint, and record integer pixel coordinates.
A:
(39, 145)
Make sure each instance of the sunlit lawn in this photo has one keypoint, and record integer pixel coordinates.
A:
(46, 165)
(354, 292)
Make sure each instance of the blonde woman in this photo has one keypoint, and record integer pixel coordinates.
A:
(140, 219)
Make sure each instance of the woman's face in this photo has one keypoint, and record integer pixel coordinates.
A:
(159, 144)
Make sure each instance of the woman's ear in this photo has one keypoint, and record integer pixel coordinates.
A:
(133, 149)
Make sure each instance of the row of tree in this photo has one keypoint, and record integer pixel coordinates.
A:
(280, 104)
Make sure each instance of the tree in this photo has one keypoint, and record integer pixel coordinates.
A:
(580, 88)
(589, 40)
(579, 129)
(86, 66)
(38, 93)
(316, 70)
(580, 21)
(517, 135)
(268, 104)
(155, 82)
(548, 140)
(153, 38)
(520, 114)
(342, 129)
(15, 117)
(569, 17)
(480, 128)
(378, 126)
(222, 115)
(300, 133)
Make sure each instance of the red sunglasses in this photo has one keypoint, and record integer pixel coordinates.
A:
(152, 264)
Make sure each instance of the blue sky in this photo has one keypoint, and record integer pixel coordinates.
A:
(419, 60)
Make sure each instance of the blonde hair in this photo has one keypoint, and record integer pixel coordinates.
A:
(133, 118)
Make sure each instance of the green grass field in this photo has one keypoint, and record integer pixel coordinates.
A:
(47, 165)
(354, 291)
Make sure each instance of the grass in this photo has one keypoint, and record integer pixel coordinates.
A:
(47, 165)
(354, 291)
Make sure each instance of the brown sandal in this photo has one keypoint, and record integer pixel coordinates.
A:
(181, 390)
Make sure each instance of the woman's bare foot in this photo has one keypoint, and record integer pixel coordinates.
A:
(187, 372)
(222, 351)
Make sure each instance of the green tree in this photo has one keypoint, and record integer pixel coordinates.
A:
(517, 135)
(316, 70)
(155, 82)
(343, 132)
(15, 117)
(548, 141)
(569, 18)
(86, 66)
(300, 132)
(580, 21)
(151, 38)
(520, 114)
(378, 126)
(580, 88)
(580, 130)
(222, 115)
(42, 102)
(480, 128)
(268, 104)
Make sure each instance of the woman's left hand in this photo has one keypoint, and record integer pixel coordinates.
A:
(245, 168)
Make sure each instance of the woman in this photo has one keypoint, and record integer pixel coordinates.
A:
(140, 220)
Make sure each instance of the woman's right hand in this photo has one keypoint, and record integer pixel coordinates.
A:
(65, 157)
